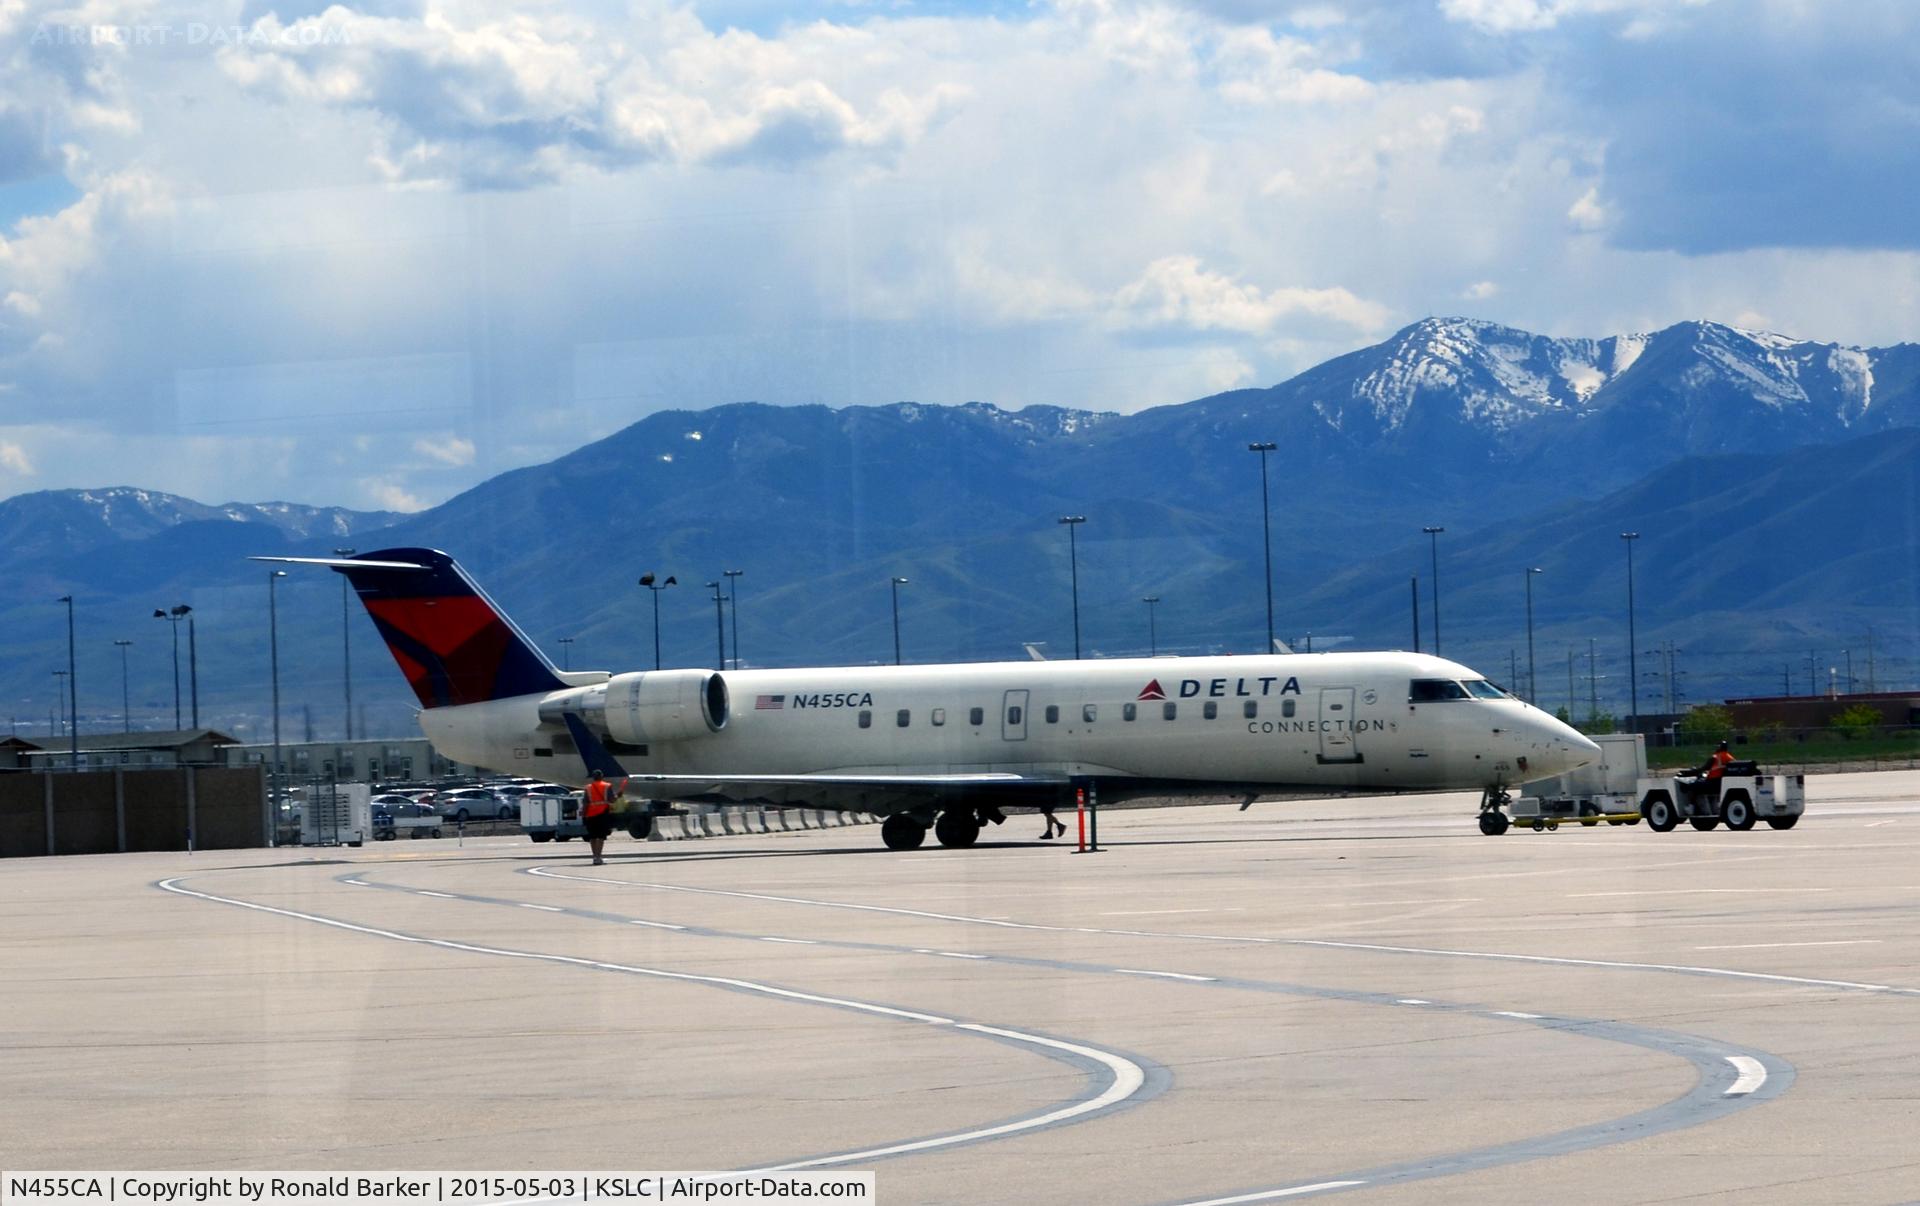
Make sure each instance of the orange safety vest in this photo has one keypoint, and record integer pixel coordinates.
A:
(1719, 762)
(597, 798)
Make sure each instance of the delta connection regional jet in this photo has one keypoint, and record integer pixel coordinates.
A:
(946, 747)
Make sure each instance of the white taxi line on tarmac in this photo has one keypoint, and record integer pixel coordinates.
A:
(1503, 956)
(1270, 1195)
(1707, 1056)
(1124, 1078)
(1752, 1072)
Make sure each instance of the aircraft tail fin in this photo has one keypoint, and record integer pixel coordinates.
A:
(452, 642)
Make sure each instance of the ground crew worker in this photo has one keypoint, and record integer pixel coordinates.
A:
(1710, 773)
(1716, 764)
(598, 814)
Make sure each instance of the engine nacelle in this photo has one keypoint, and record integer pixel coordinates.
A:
(647, 706)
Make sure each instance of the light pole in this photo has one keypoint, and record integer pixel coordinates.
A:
(1153, 635)
(1266, 535)
(895, 584)
(60, 697)
(1633, 648)
(1433, 534)
(719, 624)
(193, 663)
(1533, 683)
(273, 651)
(566, 653)
(346, 643)
(160, 614)
(126, 697)
(647, 581)
(1073, 556)
(73, 690)
(733, 602)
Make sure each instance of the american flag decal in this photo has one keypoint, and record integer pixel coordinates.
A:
(769, 703)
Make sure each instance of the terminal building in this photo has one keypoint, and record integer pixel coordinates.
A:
(349, 761)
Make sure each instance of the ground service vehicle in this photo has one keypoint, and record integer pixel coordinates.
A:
(1618, 790)
(391, 821)
(1739, 797)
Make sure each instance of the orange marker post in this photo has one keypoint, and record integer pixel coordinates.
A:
(1080, 808)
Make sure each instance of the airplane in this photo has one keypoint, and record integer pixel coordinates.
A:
(946, 747)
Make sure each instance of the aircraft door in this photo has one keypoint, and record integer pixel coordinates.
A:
(1013, 716)
(1337, 725)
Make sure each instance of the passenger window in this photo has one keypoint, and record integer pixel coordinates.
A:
(1252, 708)
(904, 717)
(1089, 712)
(1053, 713)
(939, 717)
(1169, 710)
(1211, 710)
(866, 719)
(1014, 715)
(1286, 707)
(1127, 711)
(977, 716)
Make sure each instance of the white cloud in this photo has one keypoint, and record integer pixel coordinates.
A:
(1588, 213)
(389, 496)
(1480, 291)
(14, 459)
(448, 449)
(1176, 292)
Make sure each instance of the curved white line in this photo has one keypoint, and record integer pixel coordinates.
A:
(1268, 1195)
(1127, 1080)
(1752, 1072)
(1729, 972)
(1128, 1077)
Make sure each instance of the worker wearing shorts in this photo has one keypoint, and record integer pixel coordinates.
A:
(598, 814)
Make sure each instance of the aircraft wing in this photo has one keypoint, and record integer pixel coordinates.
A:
(879, 793)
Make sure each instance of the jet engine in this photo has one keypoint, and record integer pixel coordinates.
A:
(647, 706)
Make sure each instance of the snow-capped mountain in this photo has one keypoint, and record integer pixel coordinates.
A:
(1454, 386)
(74, 521)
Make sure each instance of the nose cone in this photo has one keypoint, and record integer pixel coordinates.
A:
(1559, 746)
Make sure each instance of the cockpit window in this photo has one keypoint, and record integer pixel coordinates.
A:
(1482, 689)
(1434, 690)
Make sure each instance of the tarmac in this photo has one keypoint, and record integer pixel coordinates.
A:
(1356, 997)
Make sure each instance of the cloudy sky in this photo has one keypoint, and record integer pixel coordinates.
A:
(371, 254)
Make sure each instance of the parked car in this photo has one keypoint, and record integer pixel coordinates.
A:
(474, 804)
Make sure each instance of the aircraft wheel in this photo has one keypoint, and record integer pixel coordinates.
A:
(1493, 823)
(1784, 822)
(1738, 811)
(1658, 810)
(1703, 824)
(957, 828)
(902, 832)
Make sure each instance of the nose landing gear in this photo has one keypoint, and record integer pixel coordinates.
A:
(1493, 818)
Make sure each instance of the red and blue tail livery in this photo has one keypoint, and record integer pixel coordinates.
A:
(452, 642)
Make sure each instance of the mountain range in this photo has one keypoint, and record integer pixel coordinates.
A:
(1773, 482)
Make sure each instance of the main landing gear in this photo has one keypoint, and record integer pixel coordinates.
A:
(956, 828)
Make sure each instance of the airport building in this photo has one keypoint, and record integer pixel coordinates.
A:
(1800, 714)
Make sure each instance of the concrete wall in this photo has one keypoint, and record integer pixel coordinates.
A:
(100, 812)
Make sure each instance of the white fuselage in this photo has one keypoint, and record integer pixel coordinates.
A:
(1314, 721)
